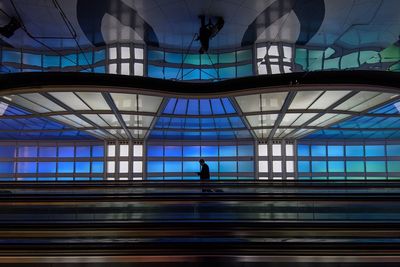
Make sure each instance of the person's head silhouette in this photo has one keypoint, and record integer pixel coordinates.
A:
(201, 161)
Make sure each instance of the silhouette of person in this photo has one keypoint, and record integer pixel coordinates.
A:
(204, 174)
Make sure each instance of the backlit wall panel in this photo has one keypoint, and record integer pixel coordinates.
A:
(51, 161)
(180, 160)
(348, 160)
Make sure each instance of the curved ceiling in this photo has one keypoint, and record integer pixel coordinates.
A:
(62, 24)
(139, 109)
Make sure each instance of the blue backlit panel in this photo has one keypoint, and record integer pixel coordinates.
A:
(66, 151)
(47, 151)
(209, 151)
(46, 167)
(82, 167)
(155, 166)
(65, 167)
(97, 167)
(7, 167)
(27, 167)
(173, 166)
(83, 151)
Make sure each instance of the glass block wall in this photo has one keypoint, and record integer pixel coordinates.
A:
(18, 60)
(348, 160)
(180, 160)
(176, 65)
(276, 161)
(51, 161)
(124, 161)
(126, 59)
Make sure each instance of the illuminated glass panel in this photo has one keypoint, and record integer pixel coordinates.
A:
(191, 151)
(173, 151)
(83, 151)
(318, 151)
(263, 166)
(354, 151)
(66, 151)
(46, 167)
(276, 150)
(393, 150)
(209, 151)
(47, 151)
(393, 166)
(137, 167)
(227, 151)
(155, 151)
(374, 150)
(277, 166)
(263, 150)
(97, 167)
(335, 151)
(7, 167)
(245, 166)
(26, 151)
(227, 166)
(155, 166)
(375, 166)
(245, 150)
(335, 166)
(82, 167)
(355, 166)
(289, 166)
(65, 167)
(173, 166)
(97, 151)
(7, 151)
(303, 150)
(318, 166)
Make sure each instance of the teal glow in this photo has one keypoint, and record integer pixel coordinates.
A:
(374, 150)
(318, 166)
(335, 166)
(355, 166)
(335, 151)
(393, 166)
(375, 166)
(354, 151)
(318, 151)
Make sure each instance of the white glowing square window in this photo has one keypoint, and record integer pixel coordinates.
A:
(123, 150)
(273, 50)
(123, 167)
(261, 52)
(275, 69)
(125, 52)
(289, 178)
(137, 150)
(262, 69)
(111, 167)
(110, 178)
(112, 53)
(263, 178)
(112, 68)
(287, 69)
(289, 166)
(277, 178)
(263, 166)
(289, 150)
(123, 178)
(125, 69)
(137, 167)
(138, 69)
(139, 53)
(111, 151)
(277, 166)
(137, 178)
(276, 150)
(287, 51)
(263, 150)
